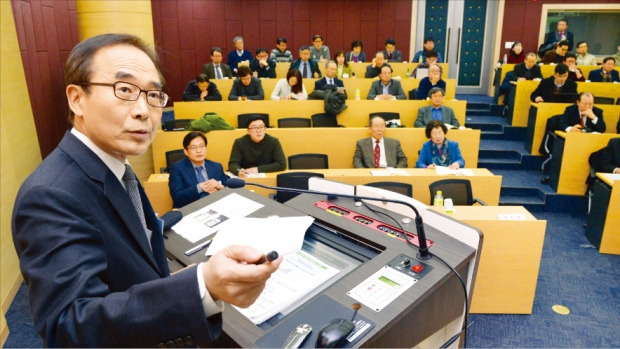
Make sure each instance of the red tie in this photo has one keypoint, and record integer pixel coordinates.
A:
(377, 154)
(581, 120)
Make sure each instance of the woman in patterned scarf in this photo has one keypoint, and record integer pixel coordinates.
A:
(439, 151)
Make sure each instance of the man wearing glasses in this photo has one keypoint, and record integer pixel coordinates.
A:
(195, 177)
(90, 246)
(377, 151)
(256, 152)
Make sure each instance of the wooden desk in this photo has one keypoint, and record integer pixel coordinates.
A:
(225, 85)
(604, 219)
(509, 259)
(524, 89)
(355, 115)
(569, 164)
(338, 143)
(547, 70)
(485, 185)
(537, 121)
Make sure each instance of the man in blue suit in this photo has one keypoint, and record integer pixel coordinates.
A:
(91, 249)
(194, 177)
(607, 73)
(309, 69)
(330, 78)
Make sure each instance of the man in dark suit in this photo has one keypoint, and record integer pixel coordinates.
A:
(308, 68)
(373, 70)
(91, 249)
(436, 111)
(194, 177)
(560, 34)
(558, 83)
(378, 151)
(583, 116)
(216, 69)
(607, 73)
(330, 78)
(610, 159)
(262, 66)
(201, 89)
(386, 87)
(528, 69)
(556, 55)
(390, 53)
(246, 87)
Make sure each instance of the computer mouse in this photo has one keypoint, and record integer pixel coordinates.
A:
(334, 334)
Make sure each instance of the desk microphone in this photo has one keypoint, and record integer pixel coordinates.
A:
(423, 254)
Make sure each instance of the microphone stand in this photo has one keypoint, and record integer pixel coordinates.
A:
(423, 253)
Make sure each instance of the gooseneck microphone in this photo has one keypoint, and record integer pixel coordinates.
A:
(423, 254)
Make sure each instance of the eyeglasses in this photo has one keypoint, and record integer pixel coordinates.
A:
(130, 92)
(197, 147)
(257, 128)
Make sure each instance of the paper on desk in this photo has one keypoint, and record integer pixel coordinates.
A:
(443, 170)
(511, 217)
(390, 171)
(299, 274)
(614, 176)
(281, 234)
(209, 219)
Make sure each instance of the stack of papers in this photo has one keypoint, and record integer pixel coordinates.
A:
(390, 171)
(443, 170)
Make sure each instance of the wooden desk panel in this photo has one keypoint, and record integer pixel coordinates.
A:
(337, 143)
(574, 166)
(355, 115)
(485, 185)
(509, 259)
(525, 89)
(611, 113)
(225, 85)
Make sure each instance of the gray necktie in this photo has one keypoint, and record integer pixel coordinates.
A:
(217, 72)
(131, 185)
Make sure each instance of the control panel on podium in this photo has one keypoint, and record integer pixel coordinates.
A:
(353, 254)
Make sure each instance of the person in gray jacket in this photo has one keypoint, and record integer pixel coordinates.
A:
(386, 87)
(436, 111)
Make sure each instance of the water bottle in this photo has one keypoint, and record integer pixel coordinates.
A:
(420, 60)
(408, 73)
(438, 201)
(505, 58)
(357, 94)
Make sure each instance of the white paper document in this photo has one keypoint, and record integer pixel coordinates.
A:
(390, 171)
(281, 234)
(444, 170)
(209, 219)
(511, 217)
(298, 275)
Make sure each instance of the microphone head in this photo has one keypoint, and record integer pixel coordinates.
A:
(235, 183)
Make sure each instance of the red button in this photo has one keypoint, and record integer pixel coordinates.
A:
(417, 268)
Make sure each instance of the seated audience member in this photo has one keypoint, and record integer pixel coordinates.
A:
(583, 116)
(431, 58)
(429, 45)
(378, 151)
(583, 57)
(607, 73)
(439, 151)
(528, 69)
(216, 69)
(617, 56)
(330, 78)
(390, 53)
(256, 152)
(386, 88)
(516, 54)
(373, 70)
(280, 54)
(432, 80)
(558, 83)
(318, 51)
(201, 89)
(610, 159)
(194, 177)
(561, 34)
(290, 88)
(238, 55)
(436, 111)
(574, 73)
(556, 55)
(246, 87)
(262, 66)
(343, 68)
(356, 55)
(309, 69)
